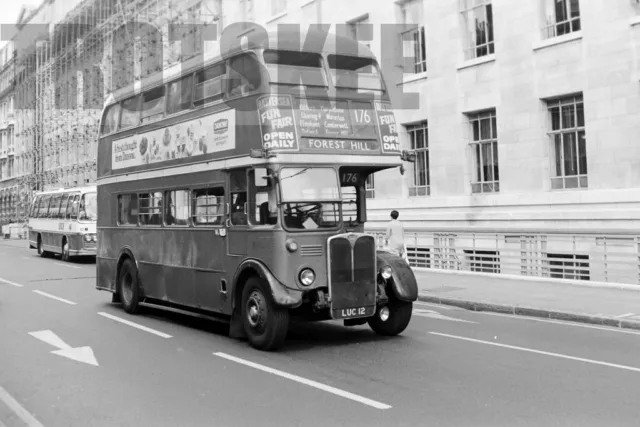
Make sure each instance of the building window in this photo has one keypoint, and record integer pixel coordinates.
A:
(359, 30)
(478, 23)
(414, 40)
(562, 17)
(484, 147)
(568, 266)
(419, 137)
(569, 144)
(278, 7)
(10, 168)
(483, 261)
(418, 257)
(369, 186)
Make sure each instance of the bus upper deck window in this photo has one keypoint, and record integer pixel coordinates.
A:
(210, 84)
(355, 73)
(110, 119)
(152, 105)
(295, 68)
(180, 92)
(130, 113)
(244, 75)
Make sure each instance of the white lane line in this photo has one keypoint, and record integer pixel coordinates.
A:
(66, 265)
(545, 353)
(435, 315)
(562, 322)
(305, 381)
(66, 301)
(134, 325)
(22, 413)
(625, 315)
(439, 306)
(17, 285)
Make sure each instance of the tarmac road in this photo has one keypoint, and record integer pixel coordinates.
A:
(450, 367)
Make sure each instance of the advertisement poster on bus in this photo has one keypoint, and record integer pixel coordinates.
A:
(387, 128)
(277, 124)
(209, 134)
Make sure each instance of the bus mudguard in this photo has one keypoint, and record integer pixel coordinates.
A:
(126, 252)
(403, 282)
(282, 295)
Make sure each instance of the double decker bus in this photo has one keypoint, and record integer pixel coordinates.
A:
(232, 187)
(64, 222)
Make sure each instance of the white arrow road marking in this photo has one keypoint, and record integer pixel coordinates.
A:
(79, 354)
(435, 315)
(18, 409)
(305, 381)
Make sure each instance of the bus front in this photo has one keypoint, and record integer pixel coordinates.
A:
(325, 128)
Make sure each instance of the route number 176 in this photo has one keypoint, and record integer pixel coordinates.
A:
(350, 178)
(362, 116)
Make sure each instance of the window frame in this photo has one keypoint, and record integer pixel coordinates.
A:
(417, 35)
(151, 209)
(579, 131)
(480, 184)
(192, 79)
(470, 9)
(224, 204)
(420, 190)
(199, 103)
(129, 215)
(551, 27)
(168, 206)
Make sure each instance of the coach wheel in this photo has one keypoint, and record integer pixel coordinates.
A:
(391, 319)
(65, 250)
(128, 287)
(264, 322)
(41, 251)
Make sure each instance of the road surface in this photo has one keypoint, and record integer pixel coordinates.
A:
(69, 357)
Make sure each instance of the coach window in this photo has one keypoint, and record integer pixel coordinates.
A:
(150, 208)
(130, 113)
(238, 190)
(110, 119)
(152, 105)
(244, 75)
(128, 209)
(55, 206)
(180, 92)
(210, 84)
(176, 207)
(208, 206)
(72, 206)
(63, 206)
(35, 208)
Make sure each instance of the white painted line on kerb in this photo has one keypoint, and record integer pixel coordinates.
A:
(22, 413)
(135, 325)
(625, 315)
(561, 322)
(545, 353)
(305, 381)
(66, 301)
(66, 265)
(17, 285)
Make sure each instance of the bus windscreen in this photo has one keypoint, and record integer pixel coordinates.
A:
(352, 72)
(295, 68)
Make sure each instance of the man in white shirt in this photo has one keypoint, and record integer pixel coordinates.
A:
(395, 234)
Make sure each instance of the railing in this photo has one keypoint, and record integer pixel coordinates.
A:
(611, 257)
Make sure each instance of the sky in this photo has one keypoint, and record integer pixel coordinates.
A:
(11, 9)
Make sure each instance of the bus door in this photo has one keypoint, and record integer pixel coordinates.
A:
(237, 223)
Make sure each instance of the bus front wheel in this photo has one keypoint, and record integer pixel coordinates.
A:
(41, 250)
(66, 256)
(128, 288)
(264, 322)
(392, 321)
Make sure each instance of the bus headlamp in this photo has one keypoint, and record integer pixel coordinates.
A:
(307, 277)
(291, 245)
(385, 272)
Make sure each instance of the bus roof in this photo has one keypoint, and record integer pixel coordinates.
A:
(282, 39)
(83, 189)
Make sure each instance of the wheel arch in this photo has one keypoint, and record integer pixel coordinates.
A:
(127, 253)
(402, 283)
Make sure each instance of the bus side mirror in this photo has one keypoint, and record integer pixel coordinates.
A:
(408, 156)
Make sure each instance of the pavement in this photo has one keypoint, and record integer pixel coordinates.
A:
(611, 306)
(69, 357)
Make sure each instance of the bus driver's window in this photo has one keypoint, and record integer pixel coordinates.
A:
(263, 204)
(238, 190)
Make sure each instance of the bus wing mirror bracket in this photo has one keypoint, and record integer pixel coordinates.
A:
(407, 156)
(264, 153)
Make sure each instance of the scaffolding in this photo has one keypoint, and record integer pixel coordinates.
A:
(61, 83)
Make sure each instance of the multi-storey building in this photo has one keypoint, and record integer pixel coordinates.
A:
(522, 115)
(9, 196)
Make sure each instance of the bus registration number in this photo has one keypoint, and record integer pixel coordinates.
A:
(347, 313)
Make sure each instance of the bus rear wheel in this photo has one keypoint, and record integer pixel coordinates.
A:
(392, 321)
(128, 287)
(264, 322)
